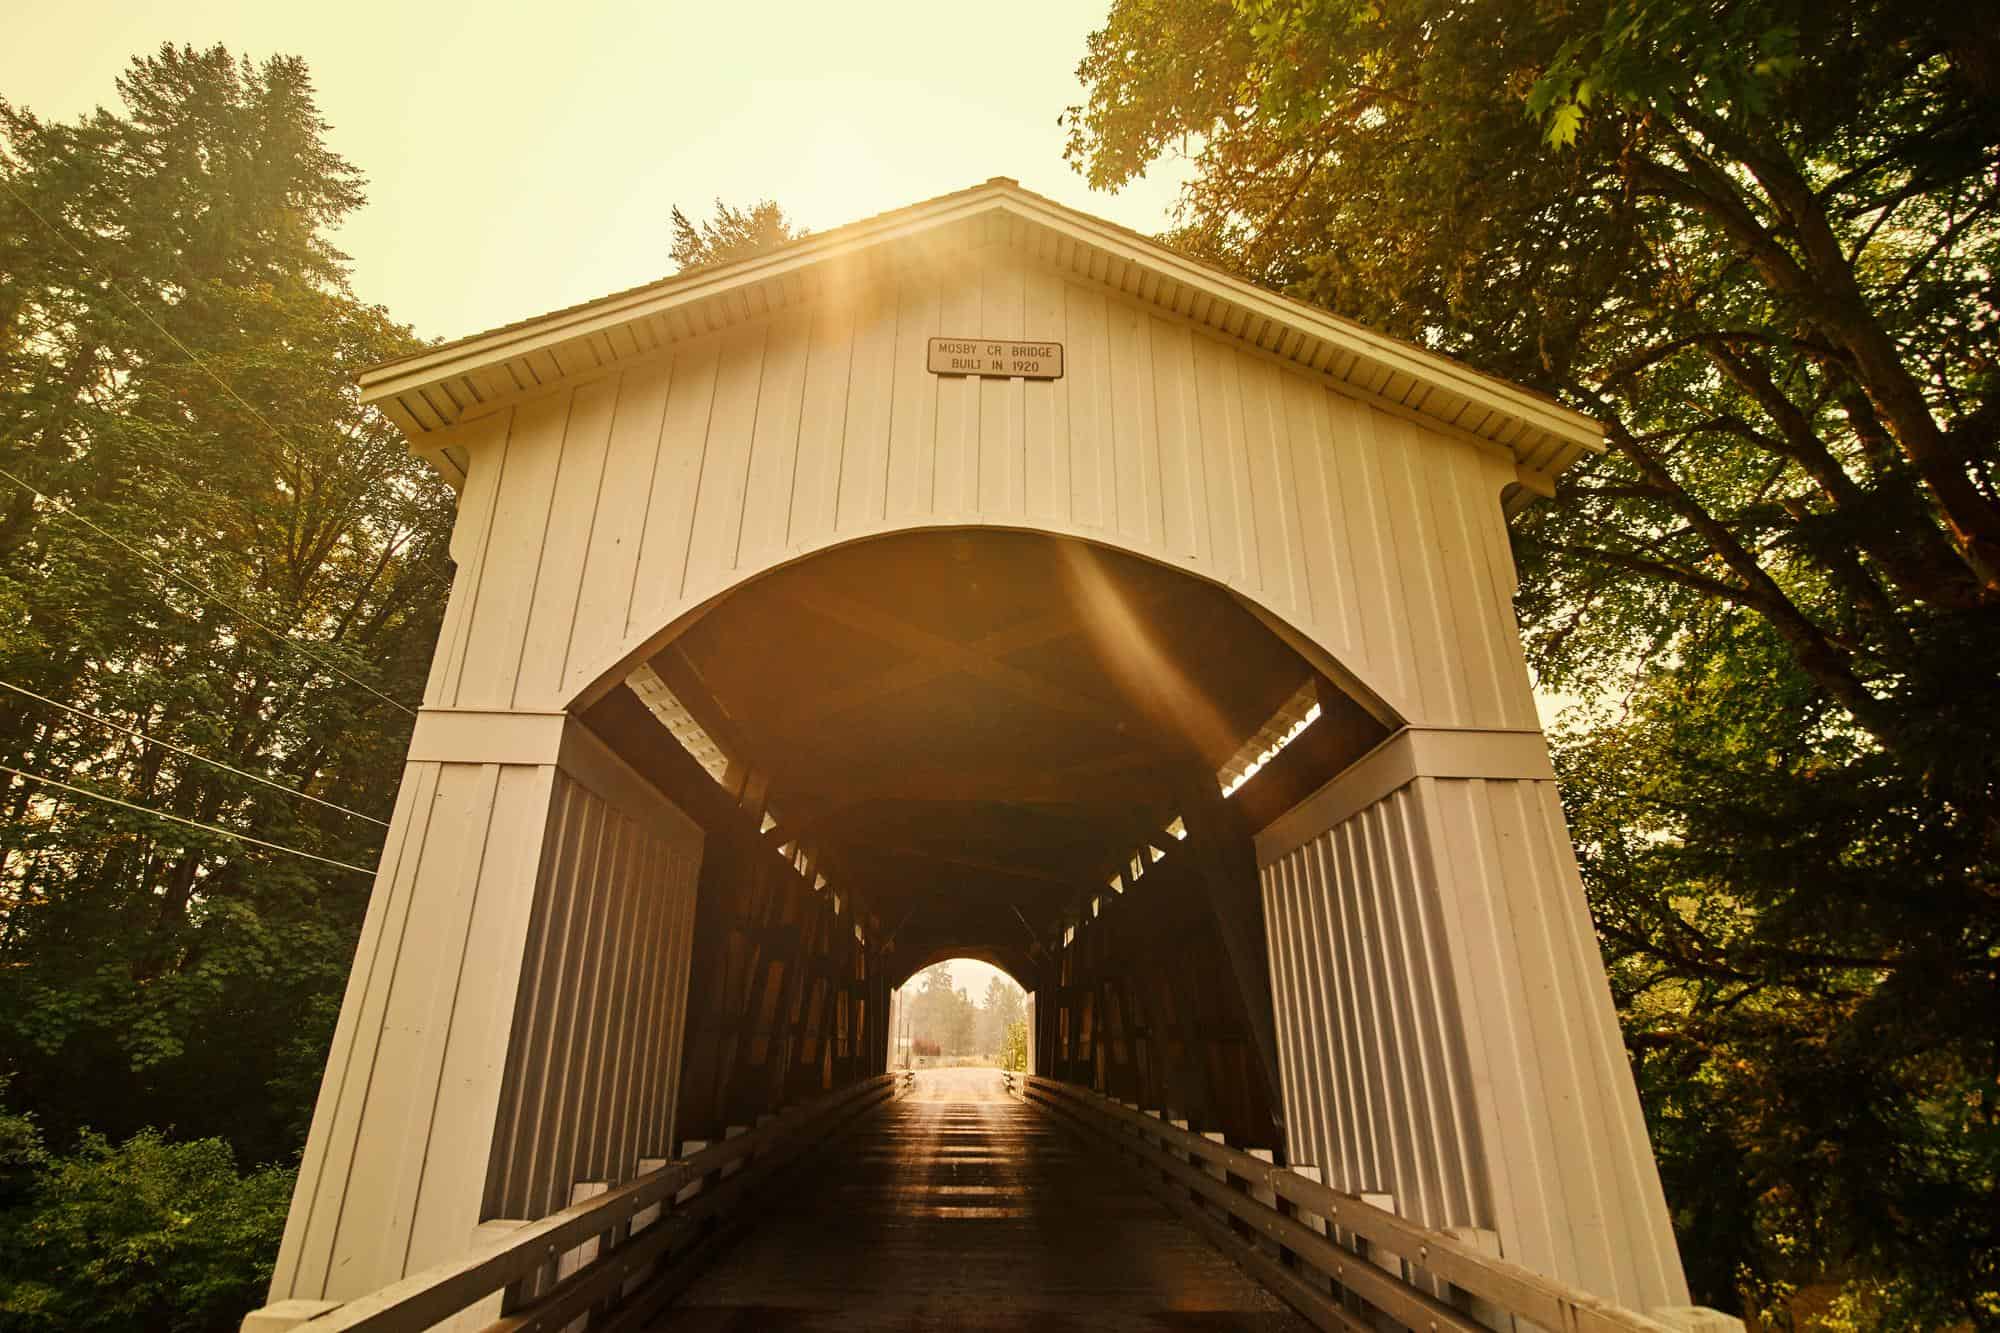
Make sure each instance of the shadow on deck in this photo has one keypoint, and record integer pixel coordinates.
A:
(959, 1207)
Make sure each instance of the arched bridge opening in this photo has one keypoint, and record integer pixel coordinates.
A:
(997, 743)
(1163, 658)
(992, 742)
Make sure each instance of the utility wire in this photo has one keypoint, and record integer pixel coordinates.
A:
(216, 598)
(247, 406)
(178, 819)
(189, 754)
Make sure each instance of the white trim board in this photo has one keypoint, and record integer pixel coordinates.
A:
(1412, 753)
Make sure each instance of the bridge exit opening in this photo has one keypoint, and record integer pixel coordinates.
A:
(958, 1013)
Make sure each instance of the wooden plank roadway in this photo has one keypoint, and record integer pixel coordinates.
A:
(959, 1208)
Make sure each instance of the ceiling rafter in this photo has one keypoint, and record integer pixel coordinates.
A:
(1003, 868)
(825, 600)
(916, 673)
(1104, 780)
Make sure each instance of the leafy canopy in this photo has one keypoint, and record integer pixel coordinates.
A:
(177, 351)
(1757, 240)
(732, 233)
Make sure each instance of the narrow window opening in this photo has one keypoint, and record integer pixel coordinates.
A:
(1293, 716)
(674, 716)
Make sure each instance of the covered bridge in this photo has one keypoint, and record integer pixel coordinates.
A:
(979, 579)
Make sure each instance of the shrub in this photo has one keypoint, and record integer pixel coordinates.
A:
(148, 1234)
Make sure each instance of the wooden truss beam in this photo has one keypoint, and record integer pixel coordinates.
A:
(823, 598)
(920, 671)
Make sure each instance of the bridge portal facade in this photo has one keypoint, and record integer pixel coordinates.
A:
(1184, 686)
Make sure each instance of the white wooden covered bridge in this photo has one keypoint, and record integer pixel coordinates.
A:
(980, 579)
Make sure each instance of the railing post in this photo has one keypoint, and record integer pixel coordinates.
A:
(734, 1131)
(1311, 1221)
(689, 1148)
(1487, 1242)
(1267, 1196)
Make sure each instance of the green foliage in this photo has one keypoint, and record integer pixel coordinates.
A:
(1654, 54)
(733, 233)
(147, 1234)
(1762, 255)
(1003, 1005)
(1797, 1029)
(21, 1153)
(1014, 1047)
(149, 257)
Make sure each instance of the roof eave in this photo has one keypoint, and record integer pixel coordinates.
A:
(385, 383)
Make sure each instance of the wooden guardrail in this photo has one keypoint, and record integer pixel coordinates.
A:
(651, 1234)
(1339, 1261)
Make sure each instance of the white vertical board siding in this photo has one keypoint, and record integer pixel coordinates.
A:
(1375, 1065)
(601, 1007)
(599, 511)
(1448, 1036)
(459, 1047)
(415, 1068)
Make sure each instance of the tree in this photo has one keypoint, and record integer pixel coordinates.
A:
(1756, 241)
(732, 233)
(1014, 1046)
(1003, 1005)
(177, 351)
(942, 1012)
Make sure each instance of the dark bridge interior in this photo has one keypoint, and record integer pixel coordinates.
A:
(993, 744)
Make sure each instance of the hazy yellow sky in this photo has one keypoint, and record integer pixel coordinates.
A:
(521, 157)
(971, 976)
(524, 157)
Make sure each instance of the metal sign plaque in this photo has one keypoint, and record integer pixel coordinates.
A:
(1003, 360)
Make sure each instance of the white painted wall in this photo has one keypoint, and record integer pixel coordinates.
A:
(1448, 1038)
(495, 1042)
(598, 513)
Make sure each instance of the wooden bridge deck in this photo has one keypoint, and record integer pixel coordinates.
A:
(959, 1208)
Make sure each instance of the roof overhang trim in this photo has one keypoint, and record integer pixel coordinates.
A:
(433, 389)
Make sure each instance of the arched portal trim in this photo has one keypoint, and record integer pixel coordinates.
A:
(607, 512)
(678, 620)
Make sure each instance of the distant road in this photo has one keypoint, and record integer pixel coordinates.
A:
(958, 1085)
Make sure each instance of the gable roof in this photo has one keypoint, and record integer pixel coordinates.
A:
(429, 390)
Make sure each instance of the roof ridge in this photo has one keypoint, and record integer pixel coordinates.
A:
(436, 385)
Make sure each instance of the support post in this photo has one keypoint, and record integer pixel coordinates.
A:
(1227, 863)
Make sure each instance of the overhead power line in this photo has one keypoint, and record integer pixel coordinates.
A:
(180, 819)
(189, 754)
(247, 406)
(278, 635)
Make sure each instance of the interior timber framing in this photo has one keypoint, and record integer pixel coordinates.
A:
(992, 723)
